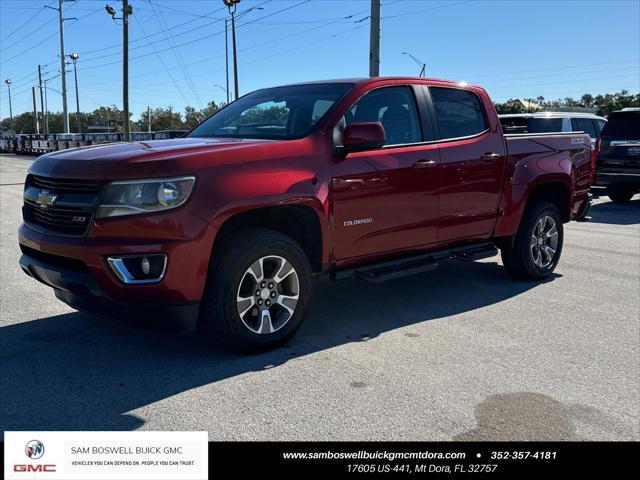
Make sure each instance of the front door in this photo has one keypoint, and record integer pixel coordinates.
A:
(386, 200)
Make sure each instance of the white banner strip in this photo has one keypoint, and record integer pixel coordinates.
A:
(106, 455)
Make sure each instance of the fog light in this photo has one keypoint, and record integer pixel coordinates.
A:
(145, 268)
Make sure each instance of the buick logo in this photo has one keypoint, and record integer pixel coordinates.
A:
(46, 198)
(34, 449)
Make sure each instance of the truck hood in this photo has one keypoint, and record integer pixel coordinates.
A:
(136, 159)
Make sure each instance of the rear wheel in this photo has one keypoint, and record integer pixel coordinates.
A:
(258, 288)
(536, 249)
(620, 194)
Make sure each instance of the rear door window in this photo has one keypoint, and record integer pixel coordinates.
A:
(459, 112)
(584, 125)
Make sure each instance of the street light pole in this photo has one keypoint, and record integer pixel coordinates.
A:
(41, 98)
(423, 65)
(46, 108)
(231, 5)
(126, 11)
(8, 82)
(74, 57)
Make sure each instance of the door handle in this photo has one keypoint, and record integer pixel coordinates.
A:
(424, 164)
(490, 157)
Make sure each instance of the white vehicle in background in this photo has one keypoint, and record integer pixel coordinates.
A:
(547, 122)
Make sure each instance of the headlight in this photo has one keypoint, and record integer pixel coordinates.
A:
(131, 197)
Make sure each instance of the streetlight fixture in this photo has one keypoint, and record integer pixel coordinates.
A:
(74, 57)
(8, 82)
(232, 5)
(223, 89)
(422, 64)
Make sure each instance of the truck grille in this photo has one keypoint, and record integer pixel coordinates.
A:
(69, 214)
(62, 186)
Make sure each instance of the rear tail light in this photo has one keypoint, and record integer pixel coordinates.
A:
(594, 156)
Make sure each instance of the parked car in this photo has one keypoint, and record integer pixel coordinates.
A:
(545, 122)
(225, 228)
(618, 155)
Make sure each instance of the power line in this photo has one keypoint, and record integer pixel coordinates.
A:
(185, 72)
(40, 10)
(163, 64)
(50, 36)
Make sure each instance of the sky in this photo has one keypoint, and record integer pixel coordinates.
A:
(515, 49)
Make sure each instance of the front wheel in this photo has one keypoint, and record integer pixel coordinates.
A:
(258, 288)
(535, 252)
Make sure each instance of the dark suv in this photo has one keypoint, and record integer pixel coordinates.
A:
(618, 158)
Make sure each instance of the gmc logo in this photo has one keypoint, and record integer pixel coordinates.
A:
(34, 468)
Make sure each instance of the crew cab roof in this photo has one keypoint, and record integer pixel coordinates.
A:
(371, 80)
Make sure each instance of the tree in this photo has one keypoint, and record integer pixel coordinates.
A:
(161, 119)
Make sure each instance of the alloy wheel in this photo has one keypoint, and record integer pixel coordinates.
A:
(544, 242)
(268, 294)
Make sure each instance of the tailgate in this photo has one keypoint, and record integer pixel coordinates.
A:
(621, 156)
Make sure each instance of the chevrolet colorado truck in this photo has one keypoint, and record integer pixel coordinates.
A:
(225, 228)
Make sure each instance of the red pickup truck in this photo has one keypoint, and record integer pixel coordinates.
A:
(226, 227)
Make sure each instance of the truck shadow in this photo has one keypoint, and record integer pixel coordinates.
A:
(80, 372)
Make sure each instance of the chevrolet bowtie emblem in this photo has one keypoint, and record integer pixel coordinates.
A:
(46, 198)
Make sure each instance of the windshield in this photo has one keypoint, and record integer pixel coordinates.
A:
(626, 124)
(273, 113)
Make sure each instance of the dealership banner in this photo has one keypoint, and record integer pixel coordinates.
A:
(188, 456)
(106, 455)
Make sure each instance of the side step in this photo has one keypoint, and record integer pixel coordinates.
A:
(473, 255)
(381, 272)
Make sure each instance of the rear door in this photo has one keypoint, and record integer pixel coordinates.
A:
(586, 125)
(386, 200)
(472, 159)
(620, 143)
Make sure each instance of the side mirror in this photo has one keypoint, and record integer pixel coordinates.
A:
(360, 136)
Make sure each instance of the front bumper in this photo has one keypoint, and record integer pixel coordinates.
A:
(80, 290)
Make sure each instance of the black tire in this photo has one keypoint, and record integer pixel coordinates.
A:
(517, 257)
(219, 317)
(620, 194)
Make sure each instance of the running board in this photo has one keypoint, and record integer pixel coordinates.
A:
(383, 271)
(479, 254)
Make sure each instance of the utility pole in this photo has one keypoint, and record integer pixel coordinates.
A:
(35, 110)
(65, 111)
(149, 118)
(226, 54)
(41, 98)
(8, 82)
(74, 57)
(126, 11)
(232, 4)
(170, 118)
(374, 40)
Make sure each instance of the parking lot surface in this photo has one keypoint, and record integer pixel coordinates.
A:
(461, 353)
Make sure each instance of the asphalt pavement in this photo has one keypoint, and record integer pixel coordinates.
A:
(460, 353)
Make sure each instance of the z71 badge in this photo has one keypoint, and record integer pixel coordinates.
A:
(577, 141)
